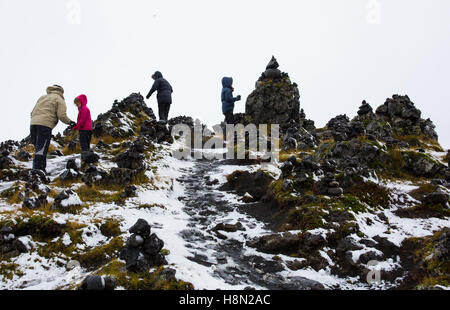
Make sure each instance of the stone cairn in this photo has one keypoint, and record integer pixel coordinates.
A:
(276, 100)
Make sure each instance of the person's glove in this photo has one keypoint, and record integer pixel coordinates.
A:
(148, 97)
(239, 98)
(72, 125)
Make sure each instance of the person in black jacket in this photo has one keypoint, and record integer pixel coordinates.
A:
(165, 91)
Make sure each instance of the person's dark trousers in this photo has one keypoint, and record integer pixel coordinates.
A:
(164, 109)
(229, 117)
(40, 138)
(85, 137)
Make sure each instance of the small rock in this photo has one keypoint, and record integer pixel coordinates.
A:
(142, 228)
(89, 157)
(335, 191)
(71, 164)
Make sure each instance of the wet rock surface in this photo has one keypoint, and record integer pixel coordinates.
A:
(204, 210)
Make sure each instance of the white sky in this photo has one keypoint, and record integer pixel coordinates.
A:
(328, 47)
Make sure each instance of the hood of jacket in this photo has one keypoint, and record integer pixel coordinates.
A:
(157, 75)
(83, 100)
(55, 89)
(227, 82)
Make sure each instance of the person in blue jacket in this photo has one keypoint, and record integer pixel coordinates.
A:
(228, 100)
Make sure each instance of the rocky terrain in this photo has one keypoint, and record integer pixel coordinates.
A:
(362, 203)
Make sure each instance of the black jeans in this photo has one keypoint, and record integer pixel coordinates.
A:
(40, 138)
(85, 137)
(164, 109)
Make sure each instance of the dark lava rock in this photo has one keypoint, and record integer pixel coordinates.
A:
(69, 175)
(130, 191)
(23, 156)
(71, 164)
(120, 176)
(274, 101)
(256, 184)
(142, 250)
(156, 131)
(131, 160)
(441, 250)
(272, 71)
(64, 195)
(33, 176)
(141, 228)
(405, 118)
(97, 283)
(364, 109)
(89, 157)
(35, 203)
(229, 227)
(436, 198)
(286, 243)
(111, 123)
(10, 245)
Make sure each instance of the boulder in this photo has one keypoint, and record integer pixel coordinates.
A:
(98, 283)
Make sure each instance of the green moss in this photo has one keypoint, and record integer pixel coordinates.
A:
(12, 194)
(436, 272)
(93, 194)
(102, 254)
(349, 203)
(370, 193)
(40, 227)
(9, 270)
(307, 217)
(111, 228)
(142, 281)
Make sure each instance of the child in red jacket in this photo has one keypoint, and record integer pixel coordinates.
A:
(84, 124)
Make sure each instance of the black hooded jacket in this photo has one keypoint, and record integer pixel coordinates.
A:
(163, 87)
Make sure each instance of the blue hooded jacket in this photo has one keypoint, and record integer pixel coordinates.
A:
(227, 95)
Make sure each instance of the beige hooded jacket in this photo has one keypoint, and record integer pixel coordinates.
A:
(50, 109)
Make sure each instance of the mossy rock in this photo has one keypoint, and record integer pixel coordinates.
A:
(40, 227)
(101, 255)
(156, 280)
(371, 194)
(307, 217)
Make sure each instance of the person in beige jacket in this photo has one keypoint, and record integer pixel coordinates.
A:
(48, 111)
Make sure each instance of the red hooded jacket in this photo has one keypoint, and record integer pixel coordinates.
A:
(84, 115)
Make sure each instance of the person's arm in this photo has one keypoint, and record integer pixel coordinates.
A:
(154, 88)
(229, 97)
(82, 119)
(62, 112)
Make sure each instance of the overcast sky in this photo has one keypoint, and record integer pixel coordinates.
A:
(339, 52)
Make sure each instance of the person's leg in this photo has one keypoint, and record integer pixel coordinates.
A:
(83, 136)
(161, 111)
(89, 138)
(44, 136)
(33, 135)
(167, 110)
